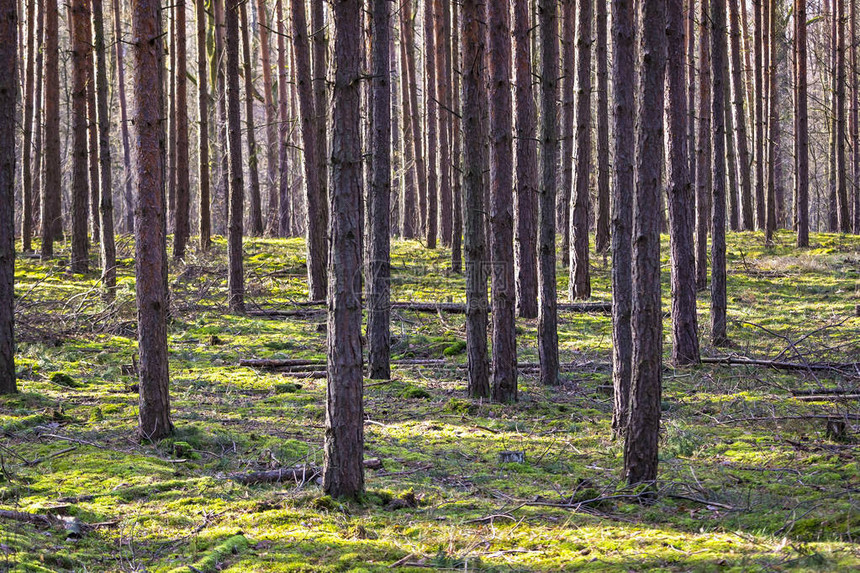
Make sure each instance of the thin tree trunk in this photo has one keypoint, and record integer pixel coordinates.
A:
(26, 165)
(181, 213)
(685, 332)
(52, 224)
(8, 100)
(801, 140)
(502, 203)
(343, 475)
(527, 167)
(547, 311)
(407, 18)
(92, 127)
(235, 273)
(692, 148)
(379, 295)
(601, 238)
(108, 249)
(81, 41)
(623, 82)
(703, 155)
(411, 223)
(731, 158)
(319, 44)
(740, 117)
(150, 225)
(640, 447)
(843, 206)
(457, 171)
(472, 46)
(718, 200)
(128, 197)
(315, 195)
(271, 106)
(172, 118)
(253, 170)
(568, 107)
(855, 117)
(442, 32)
(37, 122)
(580, 275)
(759, 116)
(431, 230)
(286, 207)
(222, 201)
(770, 78)
(205, 223)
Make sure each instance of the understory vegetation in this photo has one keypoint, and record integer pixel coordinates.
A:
(759, 467)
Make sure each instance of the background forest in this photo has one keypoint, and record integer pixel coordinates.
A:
(359, 285)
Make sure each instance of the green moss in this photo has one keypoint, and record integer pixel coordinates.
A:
(212, 561)
(63, 379)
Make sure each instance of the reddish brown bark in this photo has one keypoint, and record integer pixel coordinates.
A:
(235, 219)
(601, 237)
(759, 115)
(52, 226)
(704, 140)
(286, 206)
(580, 275)
(718, 200)
(407, 23)
(271, 105)
(343, 475)
(568, 101)
(442, 27)
(26, 165)
(203, 176)
(128, 196)
(801, 142)
(8, 98)
(256, 206)
(78, 17)
(181, 214)
(150, 224)
(740, 120)
(431, 230)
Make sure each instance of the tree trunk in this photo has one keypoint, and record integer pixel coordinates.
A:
(855, 116)
(801, 141)
(81, 41)
(457, 171)
(379, 295)
(286, 207)
(431, 230)
(843, 206)
(568, 106)
(108, 249)
(442, 30)
(172, 118)
(643, 431)
(315, 194)
(738, 93)
(271, 106)
(181, 215)
(52, 222)
(410, 222)
(253, 170)
(205, 222)
(718, 200)
(769, 45)
(472, 46)
(319, 43)
(759, 116)
(222, 201)
(128, 196)
(685, 332)
(150, 224)
(580, 276)
(37, 122)
(235, 273)
(26, 153)
(407, 17)
(502, 204)
(547, 311)
(8, 100)
(703, 155)
(527, 165)
(692, 148)
(731, 158)
(92, 127)
(343, 476)
(601, 238)
(623, 82)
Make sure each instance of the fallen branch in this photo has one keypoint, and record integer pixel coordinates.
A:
(778, 365)
(298, 474)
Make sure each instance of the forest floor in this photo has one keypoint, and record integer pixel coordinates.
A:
(750, 479)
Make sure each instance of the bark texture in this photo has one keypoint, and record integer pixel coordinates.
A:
(79, 15)
(235, 219)
(601, 237)
(801, 142)
(580, 275)
(182, 214)
(150, 223)
(431, 230)
(502, 204)
(527, 166)
(271, 105)
(343, 475)
(473, 167)
(704, 140)
(52, 223)
(128, 195)
(718, 202)
(643, 430)
(685, 332)
(740, 120)
(379, 295)
(256, 206)
(547, 310)
(8, 97)
(203, 176)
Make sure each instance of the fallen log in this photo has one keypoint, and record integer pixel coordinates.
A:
(778, 365)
